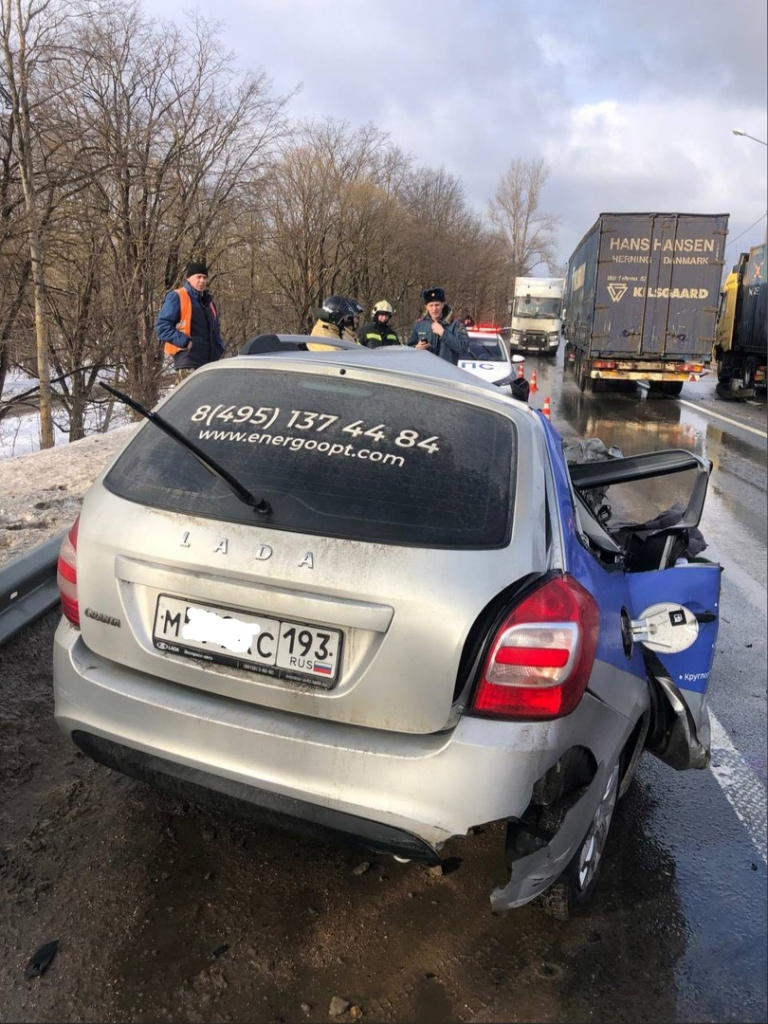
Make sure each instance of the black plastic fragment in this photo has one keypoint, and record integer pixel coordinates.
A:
(41, 960)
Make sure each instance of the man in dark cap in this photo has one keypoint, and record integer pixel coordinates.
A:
(188, 323)
(437, 332)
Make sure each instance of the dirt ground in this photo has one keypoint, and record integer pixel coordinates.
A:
(166, 911)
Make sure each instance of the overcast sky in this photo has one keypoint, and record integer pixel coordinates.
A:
(630, 102)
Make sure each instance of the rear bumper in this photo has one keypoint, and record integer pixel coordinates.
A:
(650, 370)
(404, 794)
(647, 375)
(225, 794)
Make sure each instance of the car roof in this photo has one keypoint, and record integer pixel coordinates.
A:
(286, 349)
(263, 343)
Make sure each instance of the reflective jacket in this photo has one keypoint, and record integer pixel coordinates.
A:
(325, 329)
(374, 335)
(188, 324)
(451, 345)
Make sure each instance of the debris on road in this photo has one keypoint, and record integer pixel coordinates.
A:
(338, 1006)
(41, 960)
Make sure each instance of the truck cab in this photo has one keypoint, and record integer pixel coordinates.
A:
(537, 315)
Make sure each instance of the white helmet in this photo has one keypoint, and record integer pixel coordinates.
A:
(383, 307)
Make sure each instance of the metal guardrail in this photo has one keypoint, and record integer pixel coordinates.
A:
(28, 587)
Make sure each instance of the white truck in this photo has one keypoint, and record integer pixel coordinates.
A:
(537, 315)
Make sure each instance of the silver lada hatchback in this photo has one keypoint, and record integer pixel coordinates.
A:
(368, 595)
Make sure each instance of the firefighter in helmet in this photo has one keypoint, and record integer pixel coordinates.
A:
(378, 331)
(335, 320)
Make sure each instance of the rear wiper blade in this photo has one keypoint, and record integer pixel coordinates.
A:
(259, 504)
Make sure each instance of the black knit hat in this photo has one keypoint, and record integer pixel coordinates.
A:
(196, 267)
(433, 295)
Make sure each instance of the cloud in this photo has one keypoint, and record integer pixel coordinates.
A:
(631, 103)
(645, 156)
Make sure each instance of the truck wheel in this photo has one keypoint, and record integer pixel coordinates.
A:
(585, 381)
(748, 373)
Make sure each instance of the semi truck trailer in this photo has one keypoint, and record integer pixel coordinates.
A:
(641, 298)
(741, 337)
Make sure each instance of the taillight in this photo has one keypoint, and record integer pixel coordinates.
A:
(66, 576)
(542, 655)
(604, 364)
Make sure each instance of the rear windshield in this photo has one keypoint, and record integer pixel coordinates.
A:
(333, 456)
(488, 349)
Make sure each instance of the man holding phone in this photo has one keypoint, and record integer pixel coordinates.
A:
(436, 334)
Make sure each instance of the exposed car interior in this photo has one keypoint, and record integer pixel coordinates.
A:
(656, 543)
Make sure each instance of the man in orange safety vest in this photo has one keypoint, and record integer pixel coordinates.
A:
(188, 323)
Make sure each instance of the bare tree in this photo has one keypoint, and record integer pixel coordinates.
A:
(145, 147)
(318, 204)
(171, 138)
(515, 210)
(27, 32)
(15, 266)
(346, 212)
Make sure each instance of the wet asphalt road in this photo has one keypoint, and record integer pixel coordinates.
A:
(209, 919)
(711, 824)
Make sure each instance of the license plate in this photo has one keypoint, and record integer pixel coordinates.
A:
(256, 643)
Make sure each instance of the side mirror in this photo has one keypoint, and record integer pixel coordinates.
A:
(517, 358)
(518, 386)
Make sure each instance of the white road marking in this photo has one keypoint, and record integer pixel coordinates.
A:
(725, 419)
(743, 789)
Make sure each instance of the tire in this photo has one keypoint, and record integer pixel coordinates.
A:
(585, 381)
(569, 894)
(748, 372)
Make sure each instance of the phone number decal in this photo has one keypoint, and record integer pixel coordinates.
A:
(311, 422)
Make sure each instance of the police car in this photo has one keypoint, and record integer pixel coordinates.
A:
(488, 356)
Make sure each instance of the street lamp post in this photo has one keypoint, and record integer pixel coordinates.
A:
(740, 131)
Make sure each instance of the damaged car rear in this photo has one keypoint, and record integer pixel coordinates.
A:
(361, 594)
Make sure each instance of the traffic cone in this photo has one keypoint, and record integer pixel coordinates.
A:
(547, 410)
(520, 370)
(534, 385)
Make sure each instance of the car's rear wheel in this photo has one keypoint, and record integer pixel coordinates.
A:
(571, 892)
